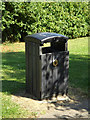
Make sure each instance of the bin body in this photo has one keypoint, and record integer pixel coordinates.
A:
(46, 68)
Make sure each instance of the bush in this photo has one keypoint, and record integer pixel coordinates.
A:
(67, 18)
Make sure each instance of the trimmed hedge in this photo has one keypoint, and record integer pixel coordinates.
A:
(22, 18)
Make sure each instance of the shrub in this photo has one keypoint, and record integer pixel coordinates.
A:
(67, 18)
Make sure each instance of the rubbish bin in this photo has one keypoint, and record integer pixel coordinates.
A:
(46, 67)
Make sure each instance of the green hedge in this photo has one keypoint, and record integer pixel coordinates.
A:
(22, 18)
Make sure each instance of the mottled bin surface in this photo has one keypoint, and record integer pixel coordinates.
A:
(46, 67)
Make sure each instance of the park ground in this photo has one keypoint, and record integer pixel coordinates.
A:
(17, 104)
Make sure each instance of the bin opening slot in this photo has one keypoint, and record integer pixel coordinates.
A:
(55, 46)
(58, 46)
(46, 48)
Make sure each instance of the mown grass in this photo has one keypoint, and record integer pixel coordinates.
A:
(78, 63)
(13, 66)
(13, 74)
(12, 110)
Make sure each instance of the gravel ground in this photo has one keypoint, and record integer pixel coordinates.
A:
(66, 109)
(62, 107)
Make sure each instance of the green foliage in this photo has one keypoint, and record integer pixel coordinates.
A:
(22, 18)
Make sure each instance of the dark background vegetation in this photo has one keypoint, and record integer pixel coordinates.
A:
(22, 18)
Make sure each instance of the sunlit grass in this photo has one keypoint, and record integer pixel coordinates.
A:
(13, 47)
(12, 110)
(78, 46)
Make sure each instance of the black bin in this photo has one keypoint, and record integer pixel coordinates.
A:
(46, 67)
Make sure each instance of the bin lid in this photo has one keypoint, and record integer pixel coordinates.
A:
(44, 37)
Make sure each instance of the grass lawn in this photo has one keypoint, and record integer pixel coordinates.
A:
(13, 73)
(78, 67)
(12, 110)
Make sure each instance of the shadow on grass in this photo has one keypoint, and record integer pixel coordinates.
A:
(78, 72)
(12, 87)
(13, 78)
